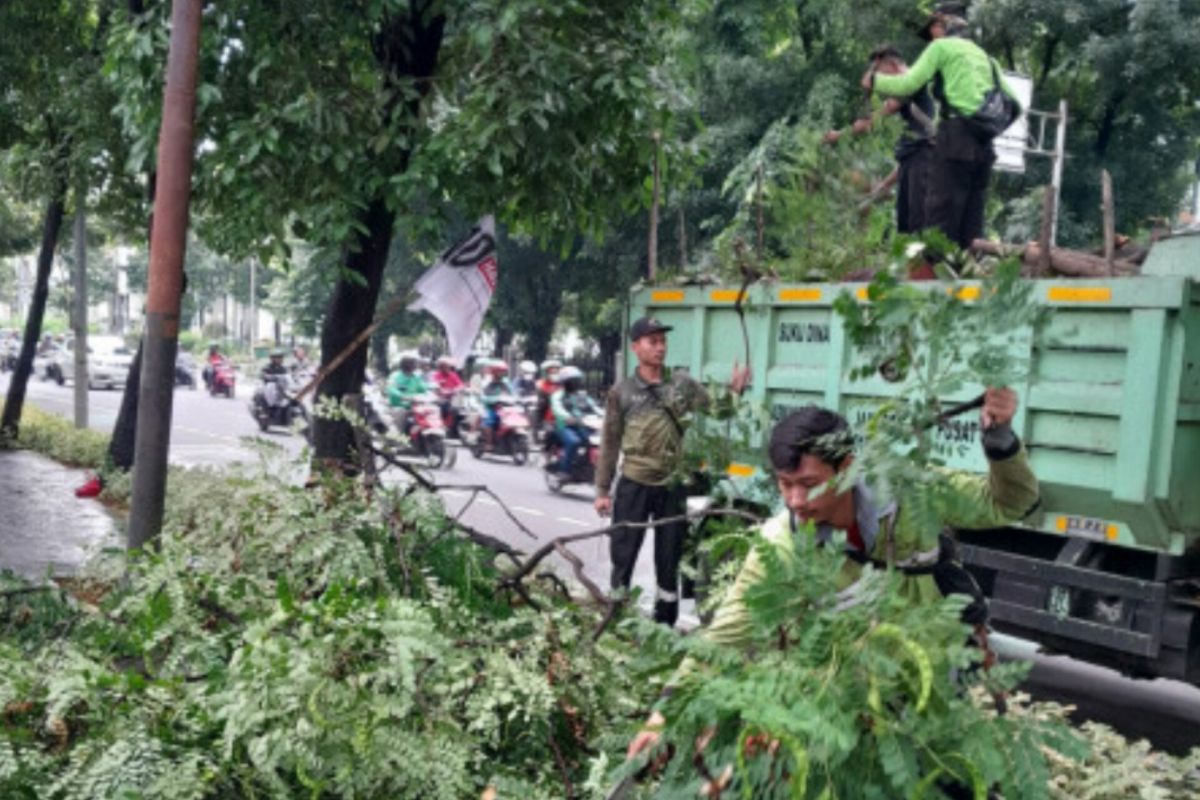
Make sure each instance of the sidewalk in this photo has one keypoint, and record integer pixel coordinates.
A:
(42, 524)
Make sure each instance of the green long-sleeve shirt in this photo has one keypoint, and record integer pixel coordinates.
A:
(1006, 494)
(570, 405)
(966, 72)
(403, 386)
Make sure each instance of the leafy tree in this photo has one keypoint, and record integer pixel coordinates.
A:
(50, 105)
(1130, 73)
(327, 121)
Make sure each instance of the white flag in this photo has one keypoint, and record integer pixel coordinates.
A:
(458, 288)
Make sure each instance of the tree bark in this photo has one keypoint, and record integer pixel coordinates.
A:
(378, 353)
(1065, 262)
(504, 337)
(406, 47)
(51, 225)
(124, 436)
(351, 309)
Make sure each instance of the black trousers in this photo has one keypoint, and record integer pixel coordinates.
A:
(912, 186)
(637, 502)
(958, 181)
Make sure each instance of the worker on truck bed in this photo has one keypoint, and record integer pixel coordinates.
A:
(644, 419)
(809, 449)
(914, 148)
(961, 74)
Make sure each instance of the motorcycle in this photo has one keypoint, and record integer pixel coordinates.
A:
(583, 467)
(529, 402)
(424, 433)
(511, 435)
(221, 379)
(185, 371)
(284, 412)
(455, 408)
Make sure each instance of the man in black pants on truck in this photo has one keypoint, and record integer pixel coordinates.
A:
(644, 420)
(914, 148)
(960, 75)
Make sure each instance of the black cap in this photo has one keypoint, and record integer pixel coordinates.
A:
(646, 326)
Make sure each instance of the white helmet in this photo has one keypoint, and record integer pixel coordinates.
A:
(570, 374)
(549, 364)
(448, 361)
(528, 369)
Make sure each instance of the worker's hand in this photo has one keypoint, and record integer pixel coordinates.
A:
(603, 505)
(868, 80)
(648, 736)
(999, 407)
(861, 126)
(831, 137)
(740, 378)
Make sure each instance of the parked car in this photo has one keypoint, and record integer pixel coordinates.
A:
(108, 362)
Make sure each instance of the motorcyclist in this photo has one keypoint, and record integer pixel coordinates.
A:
(299, 358)
(446, 378)
(496, 387)
(46, 345)
(273, 391)
(547, 386)
(526, 384)
(569, 404)
(211, 361)
(403, 385)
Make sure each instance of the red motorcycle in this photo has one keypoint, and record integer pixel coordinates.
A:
(509, 438)
(425, 431)
(222, 380)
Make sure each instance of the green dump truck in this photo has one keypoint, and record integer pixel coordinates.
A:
(1108, 569)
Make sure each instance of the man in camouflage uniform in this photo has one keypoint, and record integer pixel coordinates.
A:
(644, 420)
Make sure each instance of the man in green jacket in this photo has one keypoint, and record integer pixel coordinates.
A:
(809, 449)
(402, 387)
(645, 418)
(960, 74)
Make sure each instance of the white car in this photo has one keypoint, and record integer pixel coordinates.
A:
(108, 362)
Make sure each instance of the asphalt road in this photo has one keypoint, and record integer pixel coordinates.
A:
(210, 431)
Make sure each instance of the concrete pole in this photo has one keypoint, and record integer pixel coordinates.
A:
(168, 243)
(652, 243)
(253, 305)
(1060, 155)
(80, 316)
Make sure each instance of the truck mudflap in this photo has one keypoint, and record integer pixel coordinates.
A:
(1147, 626)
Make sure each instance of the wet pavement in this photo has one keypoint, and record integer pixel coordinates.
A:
(43, 525)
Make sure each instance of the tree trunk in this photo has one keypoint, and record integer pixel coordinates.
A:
(541, 325)
(124, 436)
(406, 47)
(504, 337)
(1062, 261)
(379, 352)
(351, 309)
(51, 225)
(610, 345)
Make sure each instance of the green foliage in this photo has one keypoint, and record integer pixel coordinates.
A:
(56, 437)
(939, 341)
(819, 223)
(853, 695)
(1128, 72)
(286, 642)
